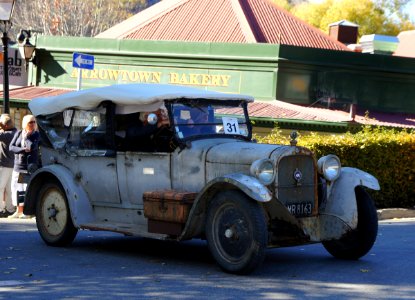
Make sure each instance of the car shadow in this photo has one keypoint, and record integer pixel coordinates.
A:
(291, 262)
(193, 251)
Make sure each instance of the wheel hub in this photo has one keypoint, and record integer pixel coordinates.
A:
(52, 212)
(231, 233)
(228, 233)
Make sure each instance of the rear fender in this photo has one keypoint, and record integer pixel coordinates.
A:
(341, 197)
(78, 201)
(247, 184)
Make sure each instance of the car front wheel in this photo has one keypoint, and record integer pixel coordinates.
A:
(358, 242)
(236, 232)
(53, 218)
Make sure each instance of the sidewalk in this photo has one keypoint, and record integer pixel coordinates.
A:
(395, 213)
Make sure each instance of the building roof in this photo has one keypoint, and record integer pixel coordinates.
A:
(228, 21)
(270, 111)
(28, 93)
(286, 111)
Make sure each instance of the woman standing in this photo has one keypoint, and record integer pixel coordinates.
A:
(25, 146)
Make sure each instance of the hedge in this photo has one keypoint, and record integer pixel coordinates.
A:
(388, 154)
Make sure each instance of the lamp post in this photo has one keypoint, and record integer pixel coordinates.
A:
(6, 11)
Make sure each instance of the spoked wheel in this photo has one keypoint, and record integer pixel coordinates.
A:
(359, 241)
(236, 232)
(53, 218)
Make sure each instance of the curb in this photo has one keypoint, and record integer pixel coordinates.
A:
(394, 213)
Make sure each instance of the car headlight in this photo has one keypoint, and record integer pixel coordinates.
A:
(329, 166)
(263, 169)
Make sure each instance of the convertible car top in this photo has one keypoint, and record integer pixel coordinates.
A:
(146, 97)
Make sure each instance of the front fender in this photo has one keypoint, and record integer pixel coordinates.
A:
(78, 201)
(341, 197)
(247, 184)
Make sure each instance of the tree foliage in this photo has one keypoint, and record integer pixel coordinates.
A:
(72, 17)
(373, 16)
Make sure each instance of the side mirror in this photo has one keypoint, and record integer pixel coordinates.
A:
(152, 119)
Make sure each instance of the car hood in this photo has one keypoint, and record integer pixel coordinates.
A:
(206, 159)
(239, 152)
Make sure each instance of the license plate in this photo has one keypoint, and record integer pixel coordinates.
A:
(300, 209)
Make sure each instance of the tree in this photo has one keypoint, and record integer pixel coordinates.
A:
(380, 17)
(395, 11)
(72, 17)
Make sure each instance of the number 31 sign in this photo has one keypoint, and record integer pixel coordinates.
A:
(230, 125)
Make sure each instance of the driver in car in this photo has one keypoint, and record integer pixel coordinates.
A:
(139, 133)
(199, 121)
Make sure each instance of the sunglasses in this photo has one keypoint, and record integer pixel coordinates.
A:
(32, 122)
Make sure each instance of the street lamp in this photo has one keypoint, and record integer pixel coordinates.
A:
(26, 49)
(6, 11)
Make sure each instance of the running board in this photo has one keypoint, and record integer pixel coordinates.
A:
(124, 228)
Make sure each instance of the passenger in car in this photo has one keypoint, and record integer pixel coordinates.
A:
(140, 128)
(139, 133)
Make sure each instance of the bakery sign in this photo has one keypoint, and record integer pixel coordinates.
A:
(17, 68)
(222, 80)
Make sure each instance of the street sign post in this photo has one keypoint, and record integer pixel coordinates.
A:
(82, 61)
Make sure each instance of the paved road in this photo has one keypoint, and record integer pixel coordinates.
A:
(102, 265)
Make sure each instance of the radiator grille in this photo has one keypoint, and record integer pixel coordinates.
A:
(298, 195)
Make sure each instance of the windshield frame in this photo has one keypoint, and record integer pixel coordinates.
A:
(202, 102)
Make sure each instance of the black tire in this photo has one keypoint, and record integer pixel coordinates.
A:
(358, 242)
(236, 232)
(53, 218)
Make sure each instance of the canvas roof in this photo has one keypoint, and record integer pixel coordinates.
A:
(138, 97)
(228, 21)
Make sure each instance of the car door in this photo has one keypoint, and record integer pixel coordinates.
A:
(142, 171)
(91, 161)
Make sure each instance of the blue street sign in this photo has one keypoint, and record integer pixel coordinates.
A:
(83, 61)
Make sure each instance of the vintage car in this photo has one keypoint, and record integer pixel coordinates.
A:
(177, 163)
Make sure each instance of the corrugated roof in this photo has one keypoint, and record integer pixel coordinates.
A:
(30, 92)
(190, 21)
(236, 21)
(267, 110)
(283, 110)
(280, 27)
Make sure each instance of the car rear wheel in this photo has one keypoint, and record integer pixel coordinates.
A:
(53, 218)
(236, 232)
(358, 242)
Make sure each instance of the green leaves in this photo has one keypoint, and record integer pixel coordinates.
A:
(381, 17)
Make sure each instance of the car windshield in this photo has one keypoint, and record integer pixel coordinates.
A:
(201, 118)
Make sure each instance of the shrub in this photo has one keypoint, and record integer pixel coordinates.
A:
(387, 154)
